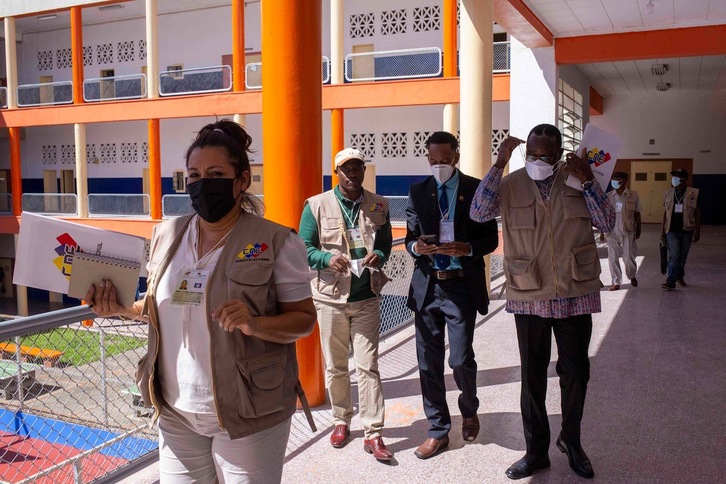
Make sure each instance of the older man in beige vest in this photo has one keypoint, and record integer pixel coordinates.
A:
(347, 231)
(622, 238)
(553, 284)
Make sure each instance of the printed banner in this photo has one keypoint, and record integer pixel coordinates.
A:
(46, 245)
(603, 149)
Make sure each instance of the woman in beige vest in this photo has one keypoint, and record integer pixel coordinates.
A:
(221, 371)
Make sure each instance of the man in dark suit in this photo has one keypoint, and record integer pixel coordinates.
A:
(448, 287)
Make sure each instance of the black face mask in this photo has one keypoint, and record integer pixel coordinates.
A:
(212, 197)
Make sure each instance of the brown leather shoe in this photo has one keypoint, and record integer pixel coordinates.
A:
(377, 448)
(339, 437)
(614, 287)
(431, 447)
(470, 428)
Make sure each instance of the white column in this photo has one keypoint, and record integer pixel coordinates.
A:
(533, 93)
(475, 60)
(79, 132)
(451, 118)
(337, 55)
(152, 51)
(11, 61)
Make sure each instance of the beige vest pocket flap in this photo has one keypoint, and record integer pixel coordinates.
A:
(251, 273)
(522, 274)
(586, 265)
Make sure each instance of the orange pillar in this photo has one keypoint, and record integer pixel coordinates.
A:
(77, 54)
(154, 169)
(337, 139)
(16, 174)
(238, 45)
(292, 135)
(449, 38)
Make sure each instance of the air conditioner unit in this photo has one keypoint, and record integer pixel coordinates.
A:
(663, 86)
(658, 69)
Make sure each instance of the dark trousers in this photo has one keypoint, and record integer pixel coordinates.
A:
(573, 367)
(679, 243)
(447, 307)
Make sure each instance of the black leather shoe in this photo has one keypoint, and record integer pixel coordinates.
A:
(526, 466)
(578, 460)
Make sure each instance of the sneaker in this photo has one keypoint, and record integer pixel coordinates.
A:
(669, 285)
(681, 282)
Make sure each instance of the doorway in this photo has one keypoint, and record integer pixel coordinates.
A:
(68, 185)
(363, 67)
(5, 198)
(46, 92)
(650, 179)
(108, 86)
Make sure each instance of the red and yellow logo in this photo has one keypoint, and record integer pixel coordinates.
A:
(252, 250)
(65, 252)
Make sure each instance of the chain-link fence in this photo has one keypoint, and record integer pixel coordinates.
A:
(119, 87)
(502, 57)
(393, 64)
(3, 97)
(398, 268)
(69, 407)
(118, 204)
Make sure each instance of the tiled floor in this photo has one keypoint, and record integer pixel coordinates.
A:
(655, 406)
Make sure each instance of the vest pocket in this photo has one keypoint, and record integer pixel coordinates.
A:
(331, 232)
(249, 281)
(522, 274)
(575, 206)
(521, 214)
(327, 282)
(260, 385)
(585, 263)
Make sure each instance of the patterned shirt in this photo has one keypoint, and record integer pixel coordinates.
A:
(487, 204)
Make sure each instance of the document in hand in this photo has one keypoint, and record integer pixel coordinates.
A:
(603, 148)
(47, 246)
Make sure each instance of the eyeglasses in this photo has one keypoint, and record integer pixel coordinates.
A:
(546, 159)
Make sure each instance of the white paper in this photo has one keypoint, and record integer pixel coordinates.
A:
(603, 149)
(357, 267)
(46, 245)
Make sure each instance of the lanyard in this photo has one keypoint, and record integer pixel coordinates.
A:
(352, 222)
(682, 197)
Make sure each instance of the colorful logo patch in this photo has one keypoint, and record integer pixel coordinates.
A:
(597, 157)
(65, 252)
(252, 250)
(377, 207)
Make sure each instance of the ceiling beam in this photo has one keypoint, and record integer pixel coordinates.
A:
(521, 23)
(649, 44)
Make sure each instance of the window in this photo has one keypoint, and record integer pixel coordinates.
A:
(569, 120)
(179, 181)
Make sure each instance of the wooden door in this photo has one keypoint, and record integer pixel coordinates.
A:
(363, 66)
(650, 179)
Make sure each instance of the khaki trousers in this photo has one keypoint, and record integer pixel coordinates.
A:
(353, 324)
(622, 245)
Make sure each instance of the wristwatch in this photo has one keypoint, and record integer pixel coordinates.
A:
(587, 184)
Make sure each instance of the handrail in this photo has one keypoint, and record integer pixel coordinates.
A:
(37, 323)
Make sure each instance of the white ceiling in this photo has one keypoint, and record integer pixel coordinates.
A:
(564, 18)
(571, 18)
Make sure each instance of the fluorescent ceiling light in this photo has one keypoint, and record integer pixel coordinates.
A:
(659, 69)
(663, 86)
(113, 6)
(48, 17)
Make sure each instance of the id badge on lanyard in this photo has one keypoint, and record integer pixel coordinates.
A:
(355, 238)
(446, 231)
(679, 208)
(189, 287)
(619, 206)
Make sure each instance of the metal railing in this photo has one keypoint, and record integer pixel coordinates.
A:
(69, 407)
(195, 81)
(45, 94)
(176, 204)
(502, 57)
(50, 203)
(3, 97)
(111, 88)
(253, 74)
(399, 268)
(397, 208)
(114, 204)
(393, 64)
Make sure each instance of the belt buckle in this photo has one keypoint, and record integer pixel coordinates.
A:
(442, 275)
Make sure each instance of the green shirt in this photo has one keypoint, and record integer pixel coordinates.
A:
(360, 287)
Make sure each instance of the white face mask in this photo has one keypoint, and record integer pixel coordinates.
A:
(539, 170)
(442, 173)
(675, 181)
(615, 184)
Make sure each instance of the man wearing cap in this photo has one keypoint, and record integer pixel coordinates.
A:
(448, 287)
(347, 231)
(681, 226)
(621, 240)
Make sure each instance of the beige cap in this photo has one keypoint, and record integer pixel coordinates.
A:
(348, 154)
